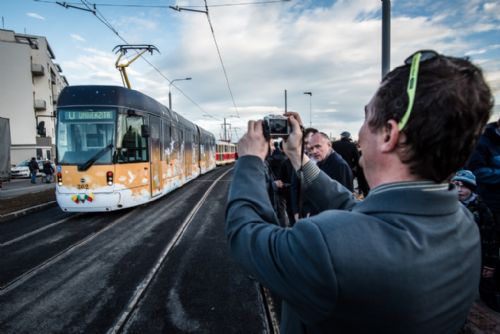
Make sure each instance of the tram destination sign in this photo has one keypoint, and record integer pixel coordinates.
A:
(87, 115)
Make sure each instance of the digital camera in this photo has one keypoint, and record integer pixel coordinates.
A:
(275, 126)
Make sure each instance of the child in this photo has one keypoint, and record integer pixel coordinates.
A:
(465, 181)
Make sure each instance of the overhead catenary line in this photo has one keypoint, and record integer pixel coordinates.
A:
(221, 61)
(179, 9)
(167, 6)
(93, 8)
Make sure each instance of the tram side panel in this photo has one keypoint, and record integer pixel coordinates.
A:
(207, 151)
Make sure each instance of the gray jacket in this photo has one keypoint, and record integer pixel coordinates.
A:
(404, 260)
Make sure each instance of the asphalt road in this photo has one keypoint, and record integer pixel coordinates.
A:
(162, 267)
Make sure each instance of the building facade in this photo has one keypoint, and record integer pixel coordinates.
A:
(30, 82)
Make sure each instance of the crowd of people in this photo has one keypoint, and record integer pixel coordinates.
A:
(408, 253)
(338, 159)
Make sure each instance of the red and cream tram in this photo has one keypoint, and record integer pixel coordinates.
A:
(225, 153)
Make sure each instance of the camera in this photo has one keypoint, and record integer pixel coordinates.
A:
(274, 126)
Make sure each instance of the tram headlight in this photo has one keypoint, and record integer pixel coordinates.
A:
(59, 178)
(109, 178)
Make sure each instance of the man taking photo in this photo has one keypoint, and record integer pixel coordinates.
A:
(404, 260)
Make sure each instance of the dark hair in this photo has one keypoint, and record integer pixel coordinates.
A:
(452, 104)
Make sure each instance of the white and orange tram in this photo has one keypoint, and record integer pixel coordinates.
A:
(225, 153)
(118, 148)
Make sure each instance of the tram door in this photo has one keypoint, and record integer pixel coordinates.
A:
(155, 162)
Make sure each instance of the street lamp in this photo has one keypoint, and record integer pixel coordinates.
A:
(169, 91)
(310, 104)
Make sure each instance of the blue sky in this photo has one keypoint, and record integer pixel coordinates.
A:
(330, 48)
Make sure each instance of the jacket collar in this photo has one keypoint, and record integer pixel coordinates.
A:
(424, 198)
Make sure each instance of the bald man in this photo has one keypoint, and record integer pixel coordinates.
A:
(330, 161)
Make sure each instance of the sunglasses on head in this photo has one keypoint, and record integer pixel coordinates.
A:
(415, 60)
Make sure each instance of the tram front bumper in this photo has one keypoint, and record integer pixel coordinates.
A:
(89, 202)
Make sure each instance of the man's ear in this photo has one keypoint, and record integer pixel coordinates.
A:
(390, 136)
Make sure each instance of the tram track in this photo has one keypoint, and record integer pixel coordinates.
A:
(142, 287)
(38, 230)
(101, 256)
(119, 277)
(33, 271)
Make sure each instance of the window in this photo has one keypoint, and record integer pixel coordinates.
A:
(131, 146)
(84, 133)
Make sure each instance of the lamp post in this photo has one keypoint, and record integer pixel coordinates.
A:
(310, 105)
(170, 93)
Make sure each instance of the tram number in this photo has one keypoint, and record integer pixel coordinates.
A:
(83, 186)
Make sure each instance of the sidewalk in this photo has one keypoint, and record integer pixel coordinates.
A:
(18, 187)
(20, 196)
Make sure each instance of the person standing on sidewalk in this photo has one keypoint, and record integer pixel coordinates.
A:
(33, 166)
(48, 170)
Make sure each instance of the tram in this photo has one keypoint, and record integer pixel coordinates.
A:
(118, 148)
(225, 153)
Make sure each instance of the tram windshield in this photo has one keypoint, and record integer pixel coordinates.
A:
(85, 136)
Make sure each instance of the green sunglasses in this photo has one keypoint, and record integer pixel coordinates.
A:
(415, 60)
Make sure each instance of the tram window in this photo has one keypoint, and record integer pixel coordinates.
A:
(131, 147)
(165, 154)
(83, 133)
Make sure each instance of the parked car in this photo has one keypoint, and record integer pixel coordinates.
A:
(22, 169)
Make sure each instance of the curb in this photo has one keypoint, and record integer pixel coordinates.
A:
(9, 216)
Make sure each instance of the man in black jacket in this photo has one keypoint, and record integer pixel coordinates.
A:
(348, 150)
(329, 161)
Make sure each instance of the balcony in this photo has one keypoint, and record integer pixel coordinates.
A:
(37, 70)
(40, 105)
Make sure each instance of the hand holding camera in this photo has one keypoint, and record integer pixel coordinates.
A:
(256, 140)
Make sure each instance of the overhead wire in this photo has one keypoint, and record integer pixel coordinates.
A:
(167, 6)
(103, 20)
(106, 22)
(221, 61)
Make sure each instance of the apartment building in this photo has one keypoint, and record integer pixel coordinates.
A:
(30, 82)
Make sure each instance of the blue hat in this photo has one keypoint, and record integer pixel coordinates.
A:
(467, 177)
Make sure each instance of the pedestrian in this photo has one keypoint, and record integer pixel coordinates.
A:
(485, 164)
(348, 150)
(275, 160)
(48, 170)
(465, 182)
(330, 161)
(34, 168)
(405, 259)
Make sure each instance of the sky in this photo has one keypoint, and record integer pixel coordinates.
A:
(329, 48)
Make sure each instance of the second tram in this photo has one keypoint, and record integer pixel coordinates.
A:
(225, 153)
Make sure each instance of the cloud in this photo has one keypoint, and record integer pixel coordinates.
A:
(35, 16)
(77, 37)
(333, 51)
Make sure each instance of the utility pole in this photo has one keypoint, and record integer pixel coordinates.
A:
(286, 101)
(227, 134)
(386, 36)
(310, 107)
